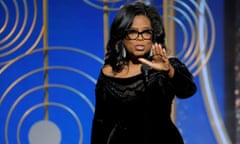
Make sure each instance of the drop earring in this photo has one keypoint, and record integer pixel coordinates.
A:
(124, 53)
(150, 53)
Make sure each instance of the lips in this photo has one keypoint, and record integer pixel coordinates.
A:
(139, 47)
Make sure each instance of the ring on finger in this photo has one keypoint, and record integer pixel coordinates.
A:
(158, 55)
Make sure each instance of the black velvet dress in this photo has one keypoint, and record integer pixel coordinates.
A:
(133, 111)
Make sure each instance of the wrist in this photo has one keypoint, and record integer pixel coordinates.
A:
(170, 71)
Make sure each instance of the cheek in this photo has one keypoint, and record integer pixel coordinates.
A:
(127, 44)
(149, 45)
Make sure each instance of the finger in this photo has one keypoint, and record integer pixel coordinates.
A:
(164, 52)
(145, 61)
(161, 49)
(157, 49)
(153, 50)
(156, 54)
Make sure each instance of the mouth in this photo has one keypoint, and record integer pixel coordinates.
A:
(139, 47)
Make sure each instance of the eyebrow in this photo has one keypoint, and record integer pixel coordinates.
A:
(132, 28)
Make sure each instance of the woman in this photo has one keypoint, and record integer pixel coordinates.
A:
(138, 82)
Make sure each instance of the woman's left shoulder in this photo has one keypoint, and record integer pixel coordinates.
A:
(174, 60)
(177, 63)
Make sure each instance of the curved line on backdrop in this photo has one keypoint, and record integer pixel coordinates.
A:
(21, 31)
(15, 23)
(211, 47)
(76, 50)
(193, 15)
(184, 30)
(25, 94)
(202, 60)
(21, 27)
(5, 8)
(53, 48)
(102, 7)
(21, 78)
(51, 104)
(195, 53)
(207, 86)
(8, 63)
(190, 50)
(194, 41)
(191, 46)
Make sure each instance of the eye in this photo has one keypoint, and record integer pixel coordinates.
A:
(147, 32)
(132, 32)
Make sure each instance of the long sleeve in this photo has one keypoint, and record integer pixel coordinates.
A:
(98, 133)
(182, 80)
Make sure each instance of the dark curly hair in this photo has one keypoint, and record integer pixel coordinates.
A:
(123, 21)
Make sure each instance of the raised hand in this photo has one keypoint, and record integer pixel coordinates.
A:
(159, 61)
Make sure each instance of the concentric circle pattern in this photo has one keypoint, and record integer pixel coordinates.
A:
(70, 100)
(191, 48)
(20, 29)
(53, 86)
(106, 5)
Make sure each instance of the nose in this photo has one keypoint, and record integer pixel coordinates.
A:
(138, 37)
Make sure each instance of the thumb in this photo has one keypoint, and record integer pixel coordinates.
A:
(145, 61)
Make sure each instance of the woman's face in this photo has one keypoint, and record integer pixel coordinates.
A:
(139, 44)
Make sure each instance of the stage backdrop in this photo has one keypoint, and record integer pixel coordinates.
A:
(51, 53)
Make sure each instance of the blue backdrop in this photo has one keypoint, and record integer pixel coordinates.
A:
(66, 74)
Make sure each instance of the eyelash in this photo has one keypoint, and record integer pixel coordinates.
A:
(135, 31)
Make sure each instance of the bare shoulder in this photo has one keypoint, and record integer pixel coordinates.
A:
(107, 70)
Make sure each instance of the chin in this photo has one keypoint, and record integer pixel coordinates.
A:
(140, 54)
